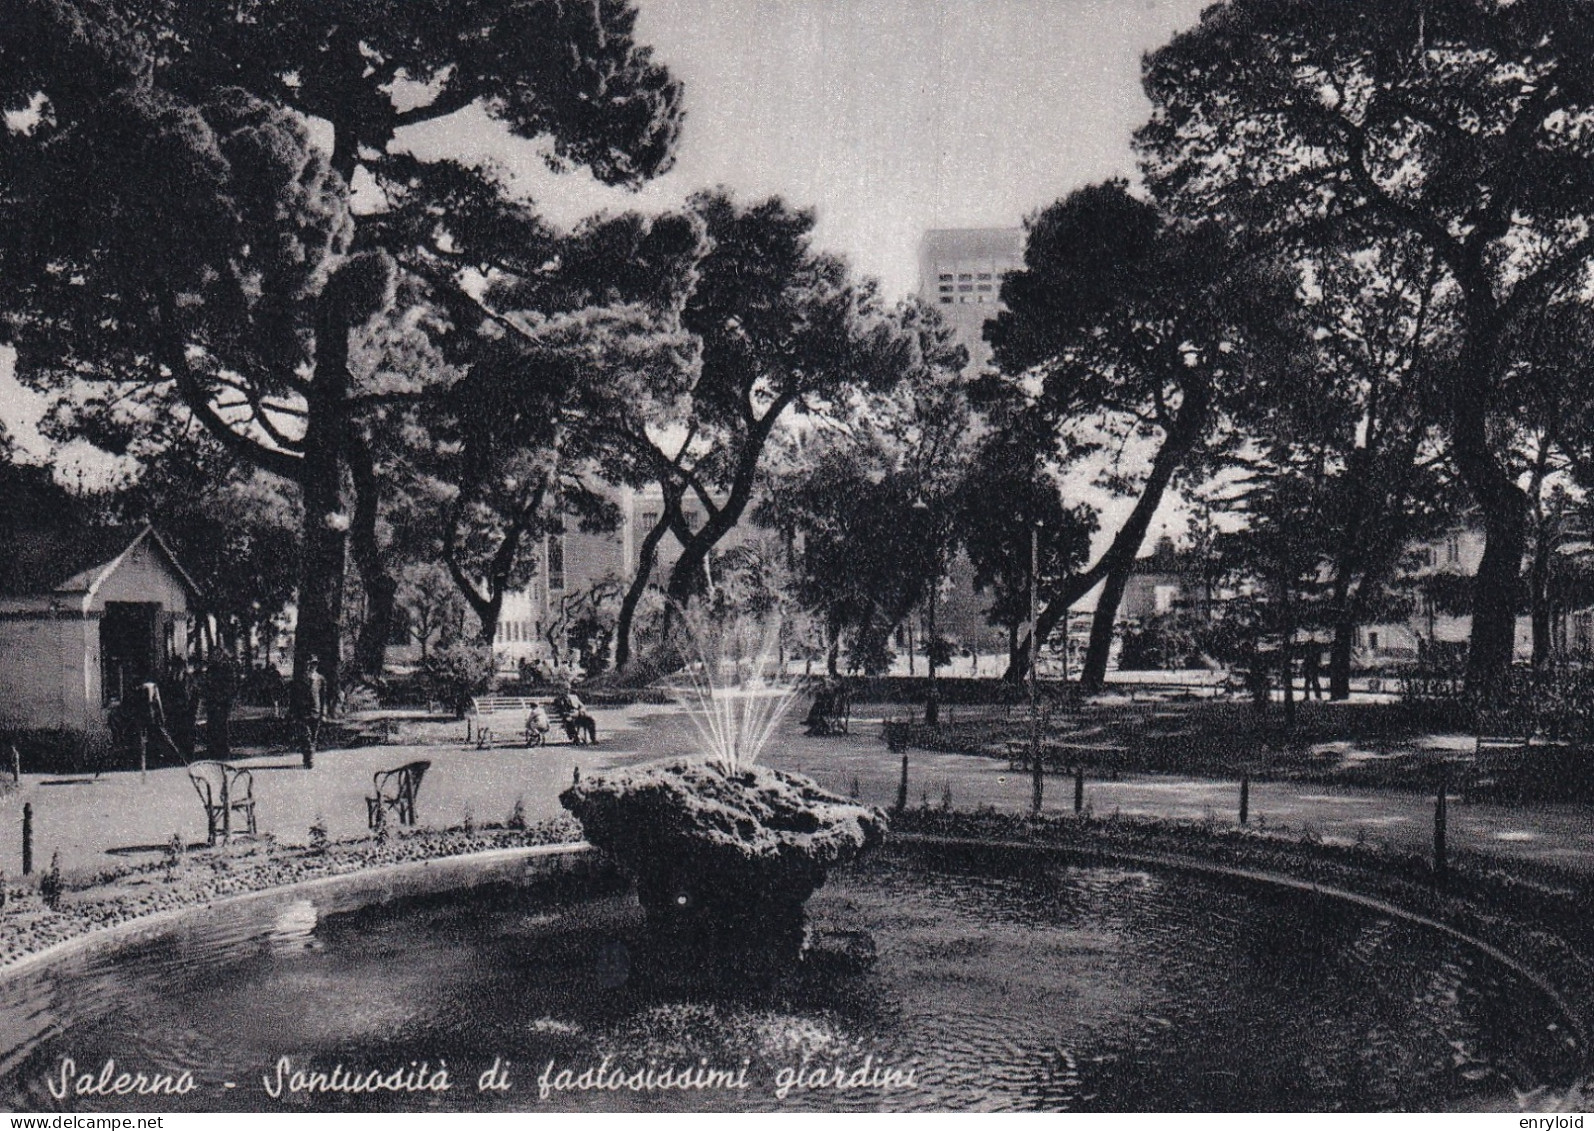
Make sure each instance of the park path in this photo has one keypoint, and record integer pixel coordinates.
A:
(122, 818)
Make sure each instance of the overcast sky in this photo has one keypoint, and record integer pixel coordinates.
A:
(889, 117)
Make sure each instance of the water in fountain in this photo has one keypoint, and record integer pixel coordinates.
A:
(725, 852)
(733, 686)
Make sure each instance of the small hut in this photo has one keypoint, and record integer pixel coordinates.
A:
(87, 616)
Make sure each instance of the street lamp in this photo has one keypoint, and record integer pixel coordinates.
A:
(932, 701)
(1037, 770)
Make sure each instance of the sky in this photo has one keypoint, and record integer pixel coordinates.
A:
(888, 117)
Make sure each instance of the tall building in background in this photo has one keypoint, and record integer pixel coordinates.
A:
(960, 274)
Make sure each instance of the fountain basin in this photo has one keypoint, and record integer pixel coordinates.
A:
(725, 857)
(1004, 980)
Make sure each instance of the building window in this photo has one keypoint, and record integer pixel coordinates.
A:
(556, 562)
(945, 277)
(946, 288)
(1372, 641)
(965, 278)
(983, 287)
(1453, 549)
(946, 300)
(985, 276)
(650, 519)
(1429, 558)
(964, 287)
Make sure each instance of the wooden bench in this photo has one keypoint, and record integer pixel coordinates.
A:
(1504, 744)
(227, 792)
(396, 791)
(487, 710)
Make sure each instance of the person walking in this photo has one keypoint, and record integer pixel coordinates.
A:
(312, 707)
(149, 716)
(1311, 671)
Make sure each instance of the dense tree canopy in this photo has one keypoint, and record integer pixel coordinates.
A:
(239, 287)
(1461, 124)
(1121, 316)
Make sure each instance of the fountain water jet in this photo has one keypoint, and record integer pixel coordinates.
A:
(725, 852)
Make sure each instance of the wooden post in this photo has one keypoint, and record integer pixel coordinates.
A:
(27, 838)
(1441, 865)
(1245, 798)
(902, 786)
(16, 764)
(1079, 788)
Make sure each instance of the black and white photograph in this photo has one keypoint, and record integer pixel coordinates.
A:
(796, 556)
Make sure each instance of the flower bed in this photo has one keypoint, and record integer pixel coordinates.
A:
(29, 925)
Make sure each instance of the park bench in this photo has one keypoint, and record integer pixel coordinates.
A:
(488, 712)
(228, 794)
(1504, 747)
(396, 791)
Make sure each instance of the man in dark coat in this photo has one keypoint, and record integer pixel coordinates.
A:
(311, 707)
(221, 691)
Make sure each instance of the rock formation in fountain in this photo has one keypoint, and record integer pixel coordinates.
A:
(727, 853)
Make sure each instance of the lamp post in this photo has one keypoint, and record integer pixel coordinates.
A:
(932, 701)
(1037, 770)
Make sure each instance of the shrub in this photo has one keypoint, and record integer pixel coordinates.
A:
(358, 697)
(457, 672)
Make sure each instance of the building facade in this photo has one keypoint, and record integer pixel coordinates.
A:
(576, 567)
(960, 274)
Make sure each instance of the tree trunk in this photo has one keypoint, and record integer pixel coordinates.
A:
(1539, 589)
(1118, 562)
(1339, 656)
(1504, 506)
(488, 606)
(689, 576)
(381, 590)
(1339, 651)
(647, 557)
(1093, 672)
(323, 555)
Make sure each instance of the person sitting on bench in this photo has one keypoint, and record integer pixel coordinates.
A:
(824, 706)
(536, 725)
(573, 714)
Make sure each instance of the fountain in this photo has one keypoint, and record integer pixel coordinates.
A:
(725, 852)
(1006, 976)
